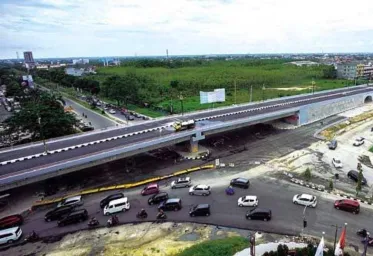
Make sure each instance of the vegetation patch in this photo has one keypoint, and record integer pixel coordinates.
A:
(221, 247)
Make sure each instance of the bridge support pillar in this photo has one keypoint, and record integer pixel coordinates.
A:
(194, 142)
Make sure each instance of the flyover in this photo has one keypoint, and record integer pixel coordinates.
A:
(27, 164)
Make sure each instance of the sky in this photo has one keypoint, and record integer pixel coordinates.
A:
(87, 28)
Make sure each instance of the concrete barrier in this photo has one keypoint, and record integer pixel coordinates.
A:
(122, 186)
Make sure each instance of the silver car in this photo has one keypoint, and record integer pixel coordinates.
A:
(181, 183)
(200, 190)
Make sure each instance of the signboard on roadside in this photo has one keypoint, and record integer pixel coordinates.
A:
(218, 95)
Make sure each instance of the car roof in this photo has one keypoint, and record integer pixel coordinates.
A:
(120, 200)
(242, 179)
(353, 171)
(250, 197)
(152, 185)
(11, 216)
(201, 186)
(72, 198)
(8, 230)
(173, 200)
(182, 179)
(259, 210)
(160, 194)
(306, 196)
(78, 211)
(350, 201)
(199, 206)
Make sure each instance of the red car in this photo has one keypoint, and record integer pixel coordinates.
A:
(11, 221)
(150, 189)
(347, 205)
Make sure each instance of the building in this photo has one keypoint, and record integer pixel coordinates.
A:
(365, 71)
(74, 71)
(304, 63)
(80, 61)
(347, 70)
(29, 59)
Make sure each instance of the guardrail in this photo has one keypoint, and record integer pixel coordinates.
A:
(123, 186)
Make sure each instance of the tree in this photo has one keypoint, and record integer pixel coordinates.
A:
(329, 72)
(44, 108)
(14, 89)
(307, 174)
(331, 185)
(359, 182)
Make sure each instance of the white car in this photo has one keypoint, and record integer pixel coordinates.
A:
(75, 200)
(337, 163)
(248, 201)
(305, 199)
(200, 190)
(112, 111)
(359, 141)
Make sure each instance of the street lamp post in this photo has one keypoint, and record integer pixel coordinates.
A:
(42, 136)
(304, 219)
(263, 88)
(181, 98)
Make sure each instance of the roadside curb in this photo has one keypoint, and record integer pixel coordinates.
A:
(122, 186)
(201, 156)
(316, 134)
(321, 188)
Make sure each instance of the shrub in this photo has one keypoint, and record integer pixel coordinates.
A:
(307, 174)
(331, 185)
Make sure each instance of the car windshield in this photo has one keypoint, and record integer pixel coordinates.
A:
(337, 161)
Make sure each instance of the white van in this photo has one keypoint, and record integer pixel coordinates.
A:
(8, 236)
(118, 205)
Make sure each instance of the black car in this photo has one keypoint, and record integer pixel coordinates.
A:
(158, 198)
(240, 182)
(58, 213)
(354, 175)
(109, 198)
(200, 210)
(333, 144)
(173, 204)
(259, 214)
(87, 128)
(74, 217)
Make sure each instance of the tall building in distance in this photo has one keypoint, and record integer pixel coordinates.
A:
(29, 59)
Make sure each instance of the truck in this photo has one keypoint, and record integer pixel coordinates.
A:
(184, 125)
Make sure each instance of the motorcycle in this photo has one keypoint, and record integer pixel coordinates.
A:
(141, 216)
(93, 223)
(362, 232)
(229, 191)
(32, 238)
(161, 217)
(113, 221)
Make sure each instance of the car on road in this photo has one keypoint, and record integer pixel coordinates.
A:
(199, 210)
(58, 213)
(109, 198)
(74, 217)
(75, 200)
(337, 163)
(158, 198)
(112, 111)
(305, 199)
(171, 204)
(10, 235)
(240, 182)
(11, 221)
(150, 189)
(259, 214)
(359, 141)
(248, 201)
(118, 205)
(181, 183)
(354, 175)
(347, 205)
(332, 144)
(200, 190)
(87, 128)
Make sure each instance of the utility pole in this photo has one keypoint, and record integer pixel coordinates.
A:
(181, 98)
(313, 86)
(42, 136)
(304, 219)
(252, 243)
(263, 88)
(251, 93)
(235, 92)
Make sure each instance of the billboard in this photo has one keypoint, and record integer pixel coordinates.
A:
(218, 95)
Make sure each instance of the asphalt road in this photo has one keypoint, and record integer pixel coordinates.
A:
(273, 194)
(98, 121)
(63, 156)
(34, 149)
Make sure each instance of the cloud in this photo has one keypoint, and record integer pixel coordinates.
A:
(148, 27)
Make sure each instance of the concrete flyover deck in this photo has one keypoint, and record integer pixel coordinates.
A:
(79, 152)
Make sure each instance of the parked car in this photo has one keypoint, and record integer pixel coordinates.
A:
(348, 205)
(87, 128)
(150, 189)
(130, 117)
(240, 182)
(75, 200)
(74, 217)
(118, 205)
(11, 221)
(200, 210)
(171, 204)
(248, 201)
(332, 144)
(200, 190)
(259, 214)
(181, 183)
(158, 198)
(58, 213)
(305, 199)
(359, 141)
(109, 198)
(337, 163)
(354, 175)
(10, 235)
(112, 111)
